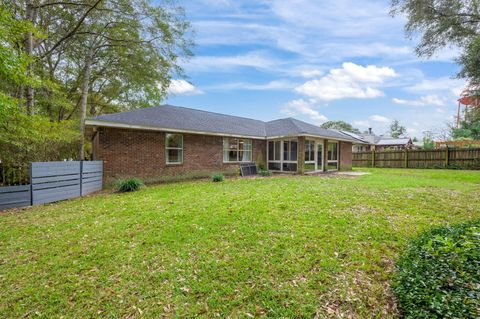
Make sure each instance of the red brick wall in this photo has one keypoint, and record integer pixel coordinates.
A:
(138, 153)
(345, 156)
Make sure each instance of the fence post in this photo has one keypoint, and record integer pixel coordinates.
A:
(447, 157)
(373, 158)
(31, 183)
(406, 158)
(81, 177)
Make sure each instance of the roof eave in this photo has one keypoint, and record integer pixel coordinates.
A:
(100, 123)
(163, 129)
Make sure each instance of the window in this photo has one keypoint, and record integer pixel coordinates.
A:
(237, 150)
(174, 148)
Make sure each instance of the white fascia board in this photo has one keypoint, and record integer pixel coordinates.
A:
(327, 138)
(308, 135)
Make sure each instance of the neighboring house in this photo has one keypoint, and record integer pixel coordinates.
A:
(391, 143)
(167, 142)
(368, 142)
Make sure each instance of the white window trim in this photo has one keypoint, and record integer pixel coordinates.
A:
(238, 150)
(173, 148)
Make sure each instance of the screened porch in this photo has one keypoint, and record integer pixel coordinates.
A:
(302, 155)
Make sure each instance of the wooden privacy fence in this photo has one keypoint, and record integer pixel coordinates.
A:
(467, 158)
(54, 181)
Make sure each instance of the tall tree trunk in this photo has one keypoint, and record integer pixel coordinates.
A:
(29, 13)
(83, 100)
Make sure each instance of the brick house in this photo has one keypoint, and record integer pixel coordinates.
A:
(171, 142)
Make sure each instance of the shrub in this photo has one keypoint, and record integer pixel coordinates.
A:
(454, 166)
(265, 172)
(438, 276)
(128, 185)
(218, 177)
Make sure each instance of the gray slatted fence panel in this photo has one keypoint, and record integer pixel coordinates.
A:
(14, 196)
(54, 181)
(92, 177)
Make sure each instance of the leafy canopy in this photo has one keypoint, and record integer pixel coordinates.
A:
(341, 126)
(440, 23)
(137, 47)
(396, 129)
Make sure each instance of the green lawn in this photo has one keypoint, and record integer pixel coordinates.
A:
(281, 247)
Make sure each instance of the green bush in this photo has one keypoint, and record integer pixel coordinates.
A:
(218, 177)
(438, 276)
(265, 172)
(454, 166)
(128, 185)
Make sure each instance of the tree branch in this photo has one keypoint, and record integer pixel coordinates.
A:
(73, 31)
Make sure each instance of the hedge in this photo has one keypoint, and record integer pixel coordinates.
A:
(438, 276)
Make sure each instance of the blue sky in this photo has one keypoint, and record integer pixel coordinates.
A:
(316, 61)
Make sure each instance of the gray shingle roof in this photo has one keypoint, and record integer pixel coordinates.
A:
(294, 127)
(182, 118)
(187, 119)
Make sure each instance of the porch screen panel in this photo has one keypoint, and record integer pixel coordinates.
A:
(289, 156)
(309, 155)
(274, 155)
(332, 156)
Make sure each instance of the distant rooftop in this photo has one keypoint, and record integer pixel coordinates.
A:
(377, 139)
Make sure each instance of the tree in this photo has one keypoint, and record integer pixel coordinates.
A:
(428, 143)
(469, 127)
(95, 56)
(396, 129)
(341, 126)
(470, 62)
(440, 23)
(24, 137)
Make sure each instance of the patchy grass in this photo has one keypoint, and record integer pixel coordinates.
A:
(299, 246)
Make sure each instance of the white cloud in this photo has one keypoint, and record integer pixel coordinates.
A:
(356, 19)
(361, 123)
(350, 81)
(310, 73)
(412, 131)
(432, 99)
(272, 85)
(443, 84)
(303, 107)
(380, 119)
(255, 59)
(182, 87)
